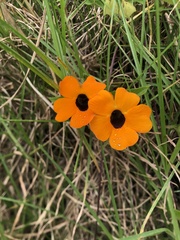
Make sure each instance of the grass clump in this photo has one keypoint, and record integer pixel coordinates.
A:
(50, 186)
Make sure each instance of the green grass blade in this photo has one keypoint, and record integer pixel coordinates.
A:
(38, 51)
(26, 63)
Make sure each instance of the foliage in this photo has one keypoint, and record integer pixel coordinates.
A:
(50, 187)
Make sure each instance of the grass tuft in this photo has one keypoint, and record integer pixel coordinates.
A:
(61, 183)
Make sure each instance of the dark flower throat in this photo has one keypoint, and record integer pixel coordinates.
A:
(117, 119)
(82, 102)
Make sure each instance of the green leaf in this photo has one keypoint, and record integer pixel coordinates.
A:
(98, 3)
(150, 233)
(112, 7)
(129, 9)
(53, 99)
(89, 2)
(177, 213)
(139, 1)
(141, 90)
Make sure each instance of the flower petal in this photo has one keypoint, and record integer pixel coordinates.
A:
(69, 87)
(125, 100)
(138, 118)
(65, 108)
(81, 118)
(122, 138)
(101, 127)
(102, 103)
(91, 87)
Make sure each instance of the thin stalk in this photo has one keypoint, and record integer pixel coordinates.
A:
(159, 82)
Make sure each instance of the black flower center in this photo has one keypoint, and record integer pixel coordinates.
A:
(82, 102)
(117, 119)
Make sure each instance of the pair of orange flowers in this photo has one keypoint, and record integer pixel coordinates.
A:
(118, 118)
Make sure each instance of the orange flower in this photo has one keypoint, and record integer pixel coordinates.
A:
(75, 101)
(119, 118)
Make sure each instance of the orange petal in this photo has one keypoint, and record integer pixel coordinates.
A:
(91, 87)
(102, 103)
(81, 118)
(122, 138)
(69, 87)
(125, 100)
(101, 127)
(138, 118)
(65, 108)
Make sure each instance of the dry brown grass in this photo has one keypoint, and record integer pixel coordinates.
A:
(36, 200)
